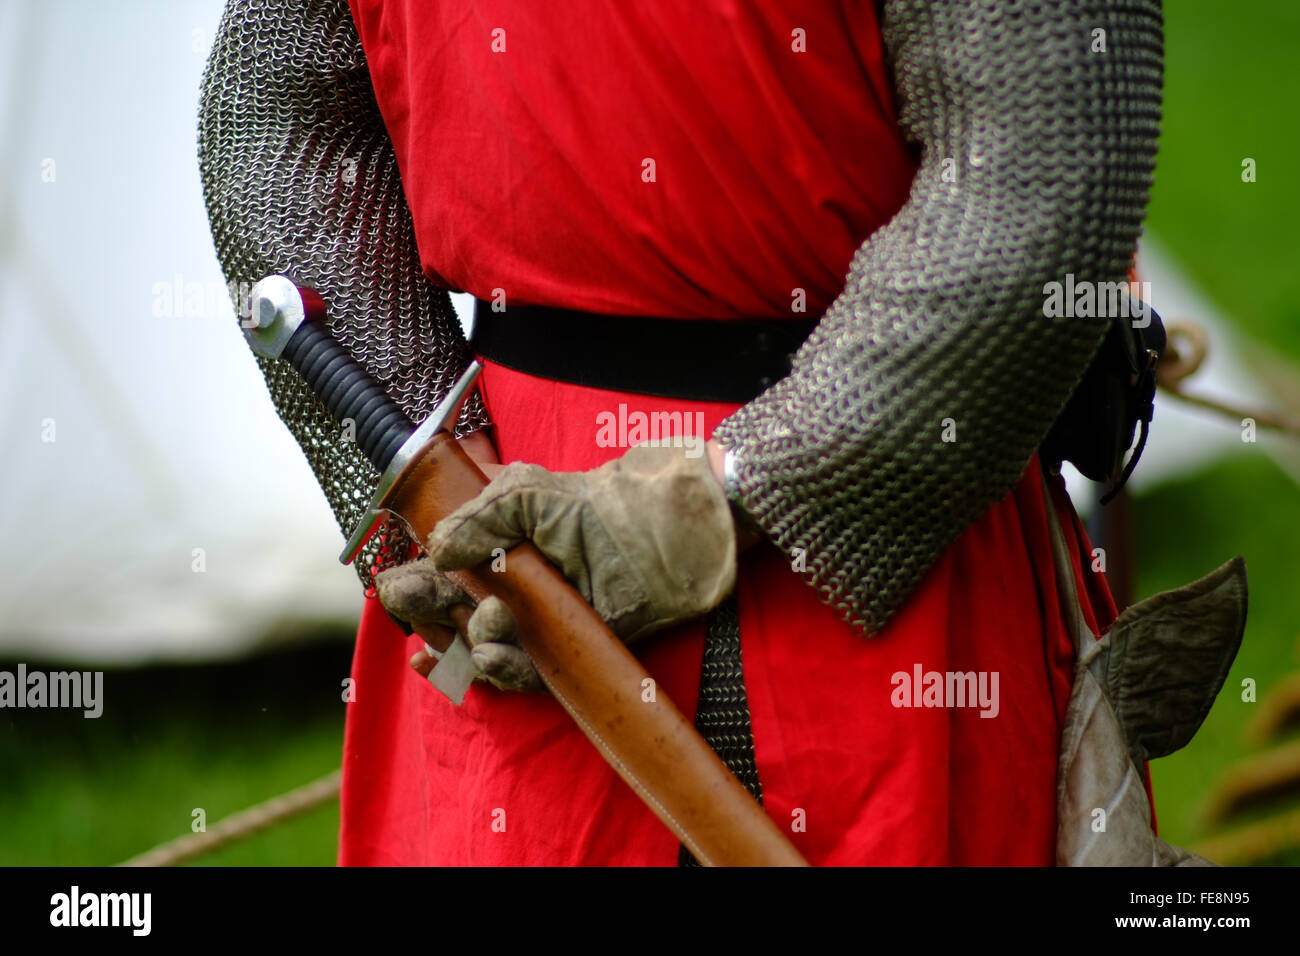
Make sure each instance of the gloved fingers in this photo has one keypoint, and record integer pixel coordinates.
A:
(502, 515)
(419, 595)
(491, 623)
(492, 633)
(506, 667)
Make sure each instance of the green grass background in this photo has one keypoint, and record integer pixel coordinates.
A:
(172, 739)
(1231, 86)
(224, 738)
(1231, 92)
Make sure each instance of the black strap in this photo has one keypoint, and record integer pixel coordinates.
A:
(1143, 403)
(714, 360)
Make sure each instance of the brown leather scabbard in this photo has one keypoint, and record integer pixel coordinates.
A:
(642, 735)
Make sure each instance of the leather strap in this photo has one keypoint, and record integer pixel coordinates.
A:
(1067, 589)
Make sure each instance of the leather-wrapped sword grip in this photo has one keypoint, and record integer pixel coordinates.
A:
(650, 744)
(348, 391)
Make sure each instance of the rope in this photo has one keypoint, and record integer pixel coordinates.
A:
(1188, 345)
(243, 824)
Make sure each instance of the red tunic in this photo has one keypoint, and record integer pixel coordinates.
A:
(691, 159)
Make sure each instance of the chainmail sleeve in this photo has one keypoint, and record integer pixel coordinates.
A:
(1048, 141)
(300, 177)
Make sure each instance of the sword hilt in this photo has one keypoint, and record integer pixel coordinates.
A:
(288, 321)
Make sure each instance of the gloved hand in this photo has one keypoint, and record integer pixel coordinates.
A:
(648, 539)
(418, 594)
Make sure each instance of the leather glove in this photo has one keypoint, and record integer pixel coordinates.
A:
(648, 539)
(422, 597)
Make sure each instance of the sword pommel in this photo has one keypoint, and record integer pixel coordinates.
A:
(288, 321)
(277, 308)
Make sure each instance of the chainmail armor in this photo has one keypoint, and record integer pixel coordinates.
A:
(722, 708)
(300, 177)
(1053, 149)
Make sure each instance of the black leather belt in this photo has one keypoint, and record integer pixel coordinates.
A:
(715, 360)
